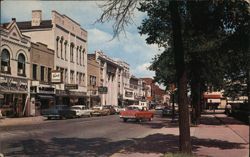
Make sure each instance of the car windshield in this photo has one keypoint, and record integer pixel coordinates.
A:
(96, 108)
(75, 107)
(132, 108)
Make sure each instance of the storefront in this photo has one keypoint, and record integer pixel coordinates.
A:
(14, 93)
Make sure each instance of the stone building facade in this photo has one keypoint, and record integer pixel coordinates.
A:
(69, 41)
(14, 70)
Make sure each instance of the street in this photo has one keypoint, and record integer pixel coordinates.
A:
(107, 136)
(95, 136)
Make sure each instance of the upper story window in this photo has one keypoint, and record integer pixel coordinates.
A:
(80, 52)
(21, 65)
(71, 52)
(49, 75)
(83, 51)
(5, 61)
(57, 44)
(65, 49)
(42, 73)
(61, 44)
(34, 72)
(77, 61)
(92, 80)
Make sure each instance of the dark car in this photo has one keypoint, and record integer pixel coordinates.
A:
(166, 112)
(110, 108)
(59, 112)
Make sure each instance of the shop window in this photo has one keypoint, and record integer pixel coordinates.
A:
(21, 65)
(5, 61)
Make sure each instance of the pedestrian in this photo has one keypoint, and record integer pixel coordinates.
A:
(228, 109)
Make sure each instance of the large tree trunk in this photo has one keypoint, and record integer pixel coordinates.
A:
(184, 129)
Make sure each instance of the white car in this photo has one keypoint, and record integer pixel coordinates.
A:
(81, 110)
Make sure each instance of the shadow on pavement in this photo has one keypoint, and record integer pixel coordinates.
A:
(156, 143)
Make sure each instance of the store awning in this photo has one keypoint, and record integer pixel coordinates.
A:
(46, 97)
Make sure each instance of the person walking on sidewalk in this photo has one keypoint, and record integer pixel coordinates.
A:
(228, 109)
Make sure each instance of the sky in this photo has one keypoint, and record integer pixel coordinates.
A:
(131, 48)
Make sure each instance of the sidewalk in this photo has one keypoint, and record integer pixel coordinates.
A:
(216, 136)
(21, 121)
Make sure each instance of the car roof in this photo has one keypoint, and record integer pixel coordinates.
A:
(78, 106)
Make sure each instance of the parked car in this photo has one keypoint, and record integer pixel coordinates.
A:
(118, 109)
(166, 112)
(100, 111)
(81, 110)
(137, 113)
(159, 110)
(59, 112)
(110, 108)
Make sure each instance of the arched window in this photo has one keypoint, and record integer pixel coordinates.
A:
(5, 61)
(61, 42)
(77, 48)
(57, 40)
(71, 52)
(21, 65)
(65, 48)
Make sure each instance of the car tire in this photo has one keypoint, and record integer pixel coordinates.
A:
(125, 119)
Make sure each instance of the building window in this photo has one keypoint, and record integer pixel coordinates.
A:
(65, 49)
(77, 78)
(71, 76)
(57, 42)
(61, 44)
(34, 72)
(66, 75)
(5, 61)
(80, 53)
(77, 48)
(71, 52)
(21, 65)
(49, 74)
(92, 80)
(42, 73)
(83, 51)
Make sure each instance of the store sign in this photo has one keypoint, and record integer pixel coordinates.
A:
(70, 86)
(128, 94)
(103, 90)
(56, 77)
(13, 84)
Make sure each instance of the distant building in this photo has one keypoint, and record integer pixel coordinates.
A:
(14, 70)
(109, 76)
(69, 41)
(93, 80)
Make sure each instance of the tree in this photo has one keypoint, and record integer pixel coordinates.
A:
(195, 31)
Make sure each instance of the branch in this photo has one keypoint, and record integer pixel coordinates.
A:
(121, 11)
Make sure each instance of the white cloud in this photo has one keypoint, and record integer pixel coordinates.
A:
(142, 71)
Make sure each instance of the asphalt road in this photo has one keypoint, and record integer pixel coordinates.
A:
(95, 136)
